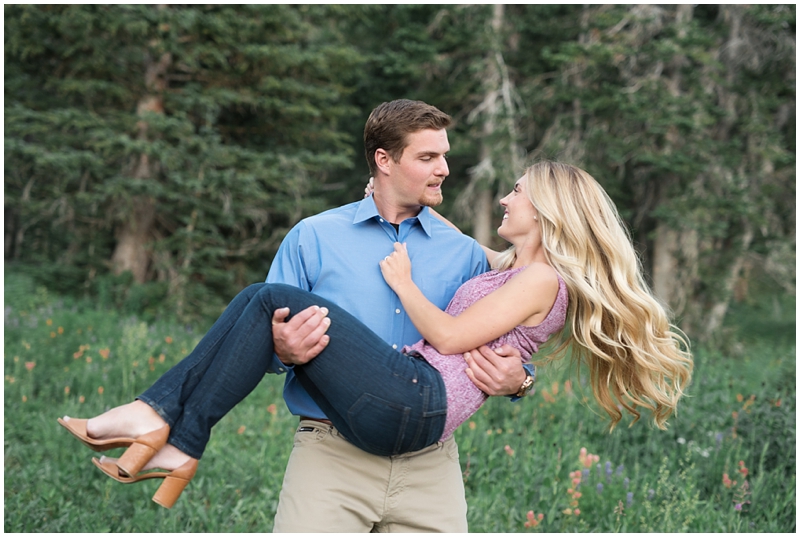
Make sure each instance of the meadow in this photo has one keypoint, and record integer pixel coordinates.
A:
(545, 464)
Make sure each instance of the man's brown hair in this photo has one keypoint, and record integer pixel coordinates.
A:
(389, 125)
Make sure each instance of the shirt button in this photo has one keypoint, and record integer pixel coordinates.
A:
(397, 310)
(394, 346)
(280, 370)
(381, 219)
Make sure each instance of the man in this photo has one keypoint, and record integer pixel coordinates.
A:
(329, 484)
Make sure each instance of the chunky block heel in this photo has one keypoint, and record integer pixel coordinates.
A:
(169, 491)
(173, 485)
(142, 450)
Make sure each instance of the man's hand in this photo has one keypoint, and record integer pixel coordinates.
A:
(303, 337)
(497, 372)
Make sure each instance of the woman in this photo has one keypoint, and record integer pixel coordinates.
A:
(566, 238)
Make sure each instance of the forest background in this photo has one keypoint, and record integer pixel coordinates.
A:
(175, 146)
(155, 156)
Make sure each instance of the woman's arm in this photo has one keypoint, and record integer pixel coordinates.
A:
(524, 299)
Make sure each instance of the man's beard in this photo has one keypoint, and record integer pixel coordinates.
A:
(431, 201)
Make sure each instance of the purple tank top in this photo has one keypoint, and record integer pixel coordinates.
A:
(463, 397)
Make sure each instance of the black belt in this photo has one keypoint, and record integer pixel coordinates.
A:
(326, 422)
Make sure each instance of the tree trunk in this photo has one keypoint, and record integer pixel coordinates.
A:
(498, 147)
(132, 252)
(482, 224)
(675, 252)
(675, 266)
(714, 318)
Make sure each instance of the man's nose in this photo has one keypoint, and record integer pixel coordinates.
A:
(442, 169)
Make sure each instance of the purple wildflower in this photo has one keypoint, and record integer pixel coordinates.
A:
(650, 494)
(608, 469)
(738, 507)
(599, 488)
(620, 469)
(629, 499)
(626, 482)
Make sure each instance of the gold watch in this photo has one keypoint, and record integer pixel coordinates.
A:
(527, 386)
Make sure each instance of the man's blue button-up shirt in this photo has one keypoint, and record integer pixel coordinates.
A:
(336, 254)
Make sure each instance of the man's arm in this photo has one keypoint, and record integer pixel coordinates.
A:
(303, 336)
(490, 254)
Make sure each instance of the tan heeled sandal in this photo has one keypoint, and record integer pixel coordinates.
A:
(78, 429)
(142, 450)
(168, 492)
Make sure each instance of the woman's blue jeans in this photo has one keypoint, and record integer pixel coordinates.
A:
(383, 401)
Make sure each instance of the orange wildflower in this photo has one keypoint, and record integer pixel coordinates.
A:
(742, 469)
(533, 519)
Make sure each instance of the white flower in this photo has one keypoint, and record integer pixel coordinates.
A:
(681, 440)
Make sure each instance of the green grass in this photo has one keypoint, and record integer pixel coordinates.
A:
(65, 357)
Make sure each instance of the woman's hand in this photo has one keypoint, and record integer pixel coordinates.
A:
(396, 267)
(369, 188)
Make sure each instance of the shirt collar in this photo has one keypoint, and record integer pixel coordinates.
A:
(367, 210)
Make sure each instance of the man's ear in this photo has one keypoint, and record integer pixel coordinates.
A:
(383, 161)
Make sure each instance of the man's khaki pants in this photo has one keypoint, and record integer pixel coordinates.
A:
(332, 486)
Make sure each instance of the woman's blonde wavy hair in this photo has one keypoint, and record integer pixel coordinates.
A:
(616, 327)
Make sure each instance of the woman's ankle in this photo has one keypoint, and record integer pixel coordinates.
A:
(168, 458)
(130, 420)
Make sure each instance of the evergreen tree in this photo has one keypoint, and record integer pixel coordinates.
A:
(683, 114)
(175, 142)
(178, 143)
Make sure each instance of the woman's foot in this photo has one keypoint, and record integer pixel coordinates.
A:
(132, 420)
(168, 458)
(135, 426)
